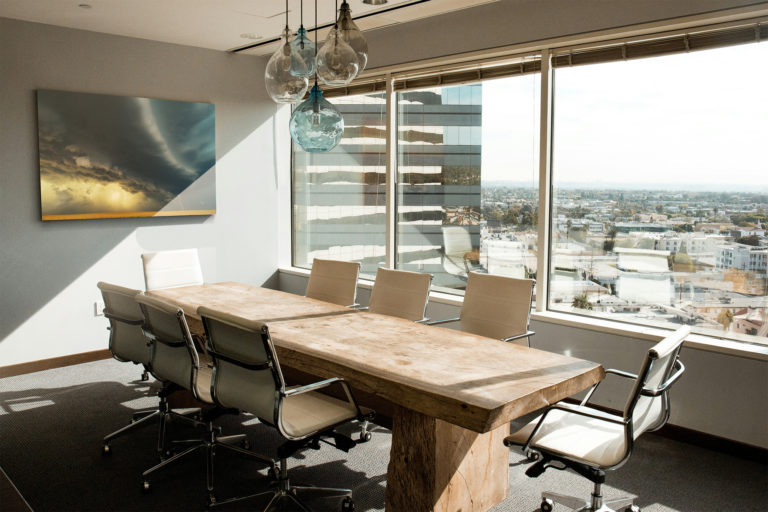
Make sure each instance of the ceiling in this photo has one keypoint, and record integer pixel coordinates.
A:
(215, 24)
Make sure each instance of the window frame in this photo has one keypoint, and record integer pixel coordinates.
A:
(545, 52)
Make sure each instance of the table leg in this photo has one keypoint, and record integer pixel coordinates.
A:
(437, 466)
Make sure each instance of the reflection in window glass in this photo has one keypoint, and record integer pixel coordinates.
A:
(467, 191)
(660, 187)
(339, 197)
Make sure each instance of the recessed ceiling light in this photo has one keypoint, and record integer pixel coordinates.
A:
(251, 36)
(84, 6)
(375, 2)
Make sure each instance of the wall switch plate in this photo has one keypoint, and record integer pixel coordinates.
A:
(98, 309)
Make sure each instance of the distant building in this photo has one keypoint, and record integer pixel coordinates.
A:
(629, 227)
(742, 257)
(751, 321)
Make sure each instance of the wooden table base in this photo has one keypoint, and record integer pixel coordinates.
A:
(437, 466)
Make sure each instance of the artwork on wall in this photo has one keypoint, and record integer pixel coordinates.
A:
(104, 156)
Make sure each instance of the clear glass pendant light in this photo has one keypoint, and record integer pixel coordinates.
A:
(336, 61)
(302, 51)
(352, 35)
(282, 86)
(316, 125)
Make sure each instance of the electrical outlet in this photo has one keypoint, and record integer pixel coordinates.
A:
(98, 309)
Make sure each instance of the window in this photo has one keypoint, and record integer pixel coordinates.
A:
(660, 191)
(467, 172)
(659, 183)
(339, 197)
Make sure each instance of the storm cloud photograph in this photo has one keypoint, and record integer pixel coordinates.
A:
(104, 156)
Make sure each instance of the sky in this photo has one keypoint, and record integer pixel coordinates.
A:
(698, 119)
(101, 153)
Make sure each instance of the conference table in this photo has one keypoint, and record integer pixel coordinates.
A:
(453, 394)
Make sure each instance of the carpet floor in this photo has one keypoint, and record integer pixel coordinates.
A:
(52, 423)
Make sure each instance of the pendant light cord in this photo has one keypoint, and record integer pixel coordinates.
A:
(286, 16)
(315, 43)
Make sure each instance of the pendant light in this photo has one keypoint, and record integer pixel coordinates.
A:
(336, 62)
(316, 125)
(302, 51)
(282, 86)
(352, 35)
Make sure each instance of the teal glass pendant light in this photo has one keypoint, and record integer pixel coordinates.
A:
(302, 51)
(282, 86)
(336, 61)
(316, 125)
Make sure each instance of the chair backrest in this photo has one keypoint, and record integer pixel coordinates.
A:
(126, 339)
(648, 404)
(333, 281)
(400, 293)
(171, 269)
(496, 306)
(174, 356)
(456, 240)
(246, 372)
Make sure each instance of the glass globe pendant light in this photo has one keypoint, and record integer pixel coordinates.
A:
(352, 35)
(336, 62)
(282, 86)
(302, 51)
(316, 125)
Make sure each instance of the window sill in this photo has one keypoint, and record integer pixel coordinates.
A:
(653, 334)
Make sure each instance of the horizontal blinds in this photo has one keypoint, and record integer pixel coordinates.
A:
(367, 86)
(680, 43)
(466, 76)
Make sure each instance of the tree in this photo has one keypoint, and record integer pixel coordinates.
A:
(725, 318)
(749, 240)
(581, 302)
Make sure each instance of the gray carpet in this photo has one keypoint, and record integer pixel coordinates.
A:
(52, 422)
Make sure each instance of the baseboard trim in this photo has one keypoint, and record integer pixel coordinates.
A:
(53, 362)
(701, 439)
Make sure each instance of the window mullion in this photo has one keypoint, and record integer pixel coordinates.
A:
(391, 170)
(545, 181)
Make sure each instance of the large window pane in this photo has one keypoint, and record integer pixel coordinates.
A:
(339, 196)
(660, 184)
(467, 192)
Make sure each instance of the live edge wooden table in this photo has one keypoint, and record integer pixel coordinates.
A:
(454, 393)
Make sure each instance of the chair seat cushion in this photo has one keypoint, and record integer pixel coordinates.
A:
(598, 443)
(311, 412)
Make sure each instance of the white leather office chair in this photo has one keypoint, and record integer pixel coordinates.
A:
(497, 307)
(247, 376)
(590, 441)
(171, 269)
(127, 344)
(400, 293)
(457, 248)
(333, 281)
(175, 359)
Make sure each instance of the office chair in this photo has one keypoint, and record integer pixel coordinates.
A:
(400, 293)
(590, 441)
(496, 307)
(127, 344)
(459, 257)
(175, 359)
(247, 376)
(171, 269)
(333, 281)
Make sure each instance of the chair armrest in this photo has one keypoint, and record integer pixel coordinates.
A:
(671, 380)
(361, 308)
(518, 336)
(129, 321)
(444, 321)
(353, 306)
(424, 320)
(312, 387)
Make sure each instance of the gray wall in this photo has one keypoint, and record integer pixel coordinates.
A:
(510, 22)
(721, 395)
(49, 270)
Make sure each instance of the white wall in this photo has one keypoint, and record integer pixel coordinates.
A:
(49, 270)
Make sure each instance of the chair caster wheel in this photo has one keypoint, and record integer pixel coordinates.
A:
(211, 501)
(106, 450)
(364, 437)
(532, 457)
(245, 444)
(631, 508)
(145, 487)
(347, 505)
(547, 505)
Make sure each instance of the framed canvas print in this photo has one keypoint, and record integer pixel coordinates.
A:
(104, 156)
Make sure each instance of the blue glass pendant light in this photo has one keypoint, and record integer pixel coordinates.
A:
(316, 125)
(282, 86)
(302, 51)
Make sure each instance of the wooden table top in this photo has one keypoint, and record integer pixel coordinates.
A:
(475, 382)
